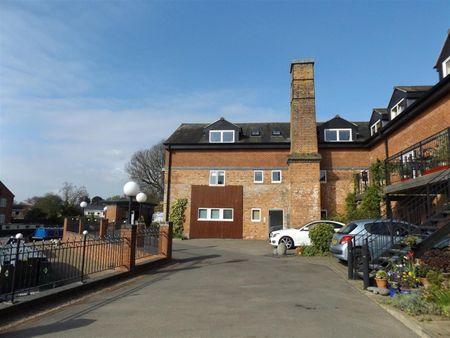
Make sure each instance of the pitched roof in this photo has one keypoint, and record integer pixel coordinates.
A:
(413, 89)
(274, 133)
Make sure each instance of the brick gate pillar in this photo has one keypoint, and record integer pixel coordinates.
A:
(165, 239)
(129, 249)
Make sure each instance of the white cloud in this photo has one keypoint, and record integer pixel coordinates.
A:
(55, 127)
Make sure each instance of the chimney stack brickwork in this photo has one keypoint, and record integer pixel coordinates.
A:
(304, 158)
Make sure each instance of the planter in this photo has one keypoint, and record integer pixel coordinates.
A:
(381, 283)
(436, 169)
(424, 281)
(392, 291)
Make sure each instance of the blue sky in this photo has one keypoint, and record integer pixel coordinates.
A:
(84, 84)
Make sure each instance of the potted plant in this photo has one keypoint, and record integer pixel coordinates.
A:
(381, 279)
(410, 240)
(422, 271)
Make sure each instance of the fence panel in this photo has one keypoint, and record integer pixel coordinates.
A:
(147, 242)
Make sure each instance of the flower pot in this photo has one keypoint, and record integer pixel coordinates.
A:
(424, 281)
(392, 291)
(381, 283)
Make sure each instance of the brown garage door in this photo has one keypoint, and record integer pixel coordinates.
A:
(209, 198)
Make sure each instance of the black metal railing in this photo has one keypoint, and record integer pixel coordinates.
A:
(147, 242)
(425, 157)
(414, 215)
(30, 267)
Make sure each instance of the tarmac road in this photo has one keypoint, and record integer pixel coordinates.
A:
(224, 288)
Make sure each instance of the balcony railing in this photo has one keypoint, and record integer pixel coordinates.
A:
(425, 157)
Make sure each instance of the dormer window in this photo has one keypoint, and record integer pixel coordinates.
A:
(338, 135)
(446, 67)
(375, 127)
(276, 132)
(221, 136)
(397, 109)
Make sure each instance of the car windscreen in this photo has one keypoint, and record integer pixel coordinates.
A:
(348, 228)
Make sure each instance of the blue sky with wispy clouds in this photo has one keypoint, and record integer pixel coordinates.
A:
(84, 84)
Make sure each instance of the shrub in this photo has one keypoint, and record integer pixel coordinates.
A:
(321, 235)
(310, 251)
(177, 216)
(415, 304)
(435, 277)
(422, 270)
(437, 259)
(441, 297)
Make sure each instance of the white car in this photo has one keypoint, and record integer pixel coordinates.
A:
(298, 237)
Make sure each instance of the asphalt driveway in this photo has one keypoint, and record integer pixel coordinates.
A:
(224, 288)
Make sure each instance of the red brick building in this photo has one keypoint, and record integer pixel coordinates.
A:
(243, 179)
(6, 204)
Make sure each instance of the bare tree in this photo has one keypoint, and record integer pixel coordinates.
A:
(146, 168)
(73, 195)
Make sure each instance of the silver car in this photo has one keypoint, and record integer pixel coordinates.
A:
(383, 235)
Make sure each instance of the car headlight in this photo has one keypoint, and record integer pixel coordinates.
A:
(273, 235)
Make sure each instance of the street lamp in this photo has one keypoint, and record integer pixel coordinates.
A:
(104, 211)
(141, 198)
(82, 206)
(130, 189)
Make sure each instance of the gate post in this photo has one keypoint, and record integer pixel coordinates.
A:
(165, 239)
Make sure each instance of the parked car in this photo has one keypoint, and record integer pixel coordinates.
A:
(383, 234)
(298, 236)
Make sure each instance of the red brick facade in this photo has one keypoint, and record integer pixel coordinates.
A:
(6, 204)
(300, 195)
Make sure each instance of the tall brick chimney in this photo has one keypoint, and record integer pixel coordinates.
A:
(304, 158)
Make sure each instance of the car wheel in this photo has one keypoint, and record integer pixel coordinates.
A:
(287, 241)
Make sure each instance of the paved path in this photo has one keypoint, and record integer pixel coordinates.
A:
(224, 288)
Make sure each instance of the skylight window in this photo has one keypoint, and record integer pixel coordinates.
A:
(255, 132)
(221, 136)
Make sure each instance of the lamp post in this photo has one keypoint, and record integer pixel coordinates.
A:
(130, 189)
(82, 206)
(141, 198)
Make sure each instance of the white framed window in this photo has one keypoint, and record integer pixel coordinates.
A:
(323, 214)
(217, 177)
(276, 176)
(375, 127)
(2, 202)
(446, 67)
(323, 176)
(258, 176)
(215, 214)
(256, 215)
(221, 136)
(397, 109)
(338, 135)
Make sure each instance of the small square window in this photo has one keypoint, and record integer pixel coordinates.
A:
(256, 215)
(215, 213)
(202, 213)
(228, 214)
(330, 135)
(258, 176)
(344, 135)
(228, 136)
(217, 177)
(323, 176)
(215, 136)
(276, 176)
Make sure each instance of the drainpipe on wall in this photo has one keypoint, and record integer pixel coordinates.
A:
(169, 169)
